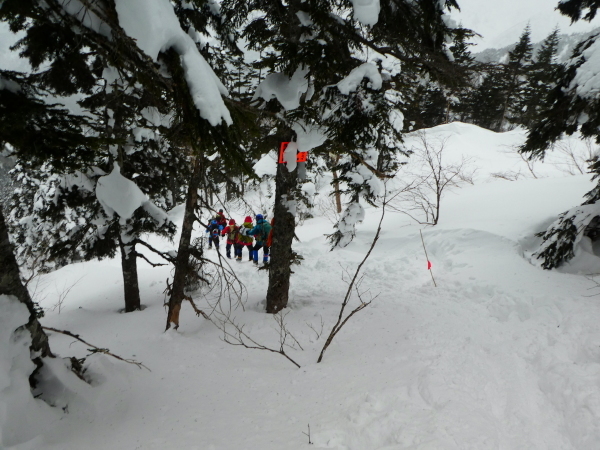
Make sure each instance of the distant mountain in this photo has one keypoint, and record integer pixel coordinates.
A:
(565, 47)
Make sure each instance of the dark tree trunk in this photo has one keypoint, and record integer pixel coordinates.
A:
(131, 287)
(283, 234)
(10, 284)
(183, 253)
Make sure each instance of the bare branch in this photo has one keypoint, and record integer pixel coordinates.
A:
(140, 255)
(164, 255)
(96, 349)
(340, 321)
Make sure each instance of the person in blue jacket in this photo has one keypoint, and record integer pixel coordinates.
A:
(213, 232)
(261, 234)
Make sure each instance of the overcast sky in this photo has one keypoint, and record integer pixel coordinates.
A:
(501, 22)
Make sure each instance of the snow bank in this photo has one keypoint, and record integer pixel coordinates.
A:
(155, 26)
(404, 373)
(21, 416)
(587, 80)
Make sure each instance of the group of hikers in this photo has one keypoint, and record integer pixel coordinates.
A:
(240, 236)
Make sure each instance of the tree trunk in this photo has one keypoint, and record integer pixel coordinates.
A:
(131, 289)
(183, 253)
(10, 284)
(283, 235)
(336, 187)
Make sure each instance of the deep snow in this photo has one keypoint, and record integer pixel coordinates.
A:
(501, 355)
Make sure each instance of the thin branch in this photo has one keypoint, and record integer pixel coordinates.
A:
(140, 255)
(165, 256)
(340, 323)
(95, 349)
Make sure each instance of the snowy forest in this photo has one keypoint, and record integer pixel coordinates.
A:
(257, 224)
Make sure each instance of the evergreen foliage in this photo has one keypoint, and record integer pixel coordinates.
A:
(541, 79)
(568, 109)
(579, 9)
(139, 110)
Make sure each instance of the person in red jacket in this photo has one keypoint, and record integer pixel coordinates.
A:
(221, 220)
(232, 231)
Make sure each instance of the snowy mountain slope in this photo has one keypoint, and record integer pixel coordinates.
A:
(501, 23)
(566, 45)
(501, 354)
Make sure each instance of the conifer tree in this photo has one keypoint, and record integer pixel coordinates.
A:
(30, 126)
(514, 79)
(501, 92)
(319, 50)
(427, 102)
(484, 105)
(202, 140)
(129, 94)
(579, 9)
(541, 78)
(571, 106)
(116, 83)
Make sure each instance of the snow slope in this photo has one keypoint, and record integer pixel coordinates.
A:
(501, 23)
(500, 355)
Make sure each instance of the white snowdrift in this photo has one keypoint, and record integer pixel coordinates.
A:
(501, 355)
(21, 416)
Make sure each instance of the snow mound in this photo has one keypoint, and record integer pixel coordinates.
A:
(21, 416)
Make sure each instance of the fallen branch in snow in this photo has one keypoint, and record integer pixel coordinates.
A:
(239, 337)
(354, 282)
(95, 349)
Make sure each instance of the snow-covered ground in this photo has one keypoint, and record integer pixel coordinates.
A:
(500, 355)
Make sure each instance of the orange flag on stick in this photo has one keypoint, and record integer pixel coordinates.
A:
(427, 257)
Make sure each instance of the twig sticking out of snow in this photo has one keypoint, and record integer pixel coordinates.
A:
(237, 336)
(355, 281)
